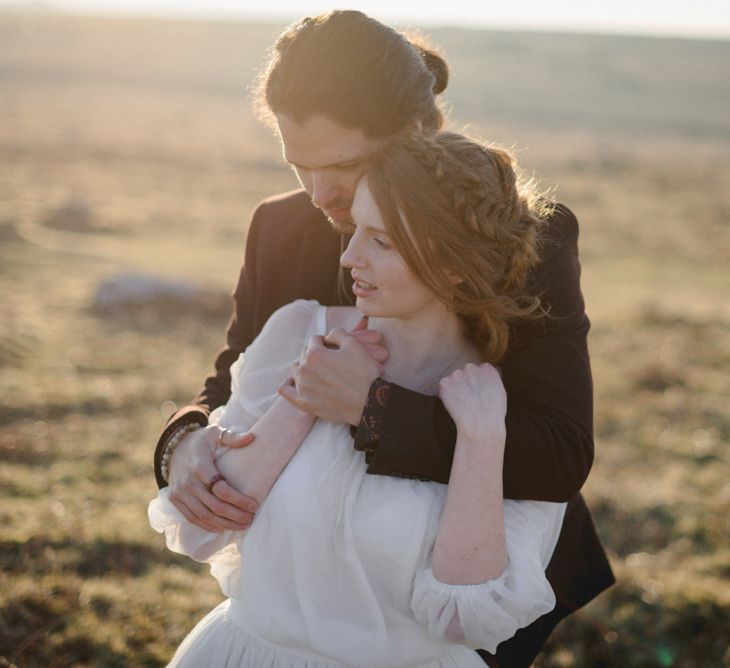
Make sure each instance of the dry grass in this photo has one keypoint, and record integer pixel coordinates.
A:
(147, 124)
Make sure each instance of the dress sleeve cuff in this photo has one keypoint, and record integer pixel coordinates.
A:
(487, 613)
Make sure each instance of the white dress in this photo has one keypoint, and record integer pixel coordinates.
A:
(335, 569)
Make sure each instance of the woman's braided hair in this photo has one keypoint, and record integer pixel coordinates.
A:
(466, 224)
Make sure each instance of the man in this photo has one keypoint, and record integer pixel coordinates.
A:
(332, 113)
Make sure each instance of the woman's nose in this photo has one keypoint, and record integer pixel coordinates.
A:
(351, 257)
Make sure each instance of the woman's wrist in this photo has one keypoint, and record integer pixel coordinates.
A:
(487, 439)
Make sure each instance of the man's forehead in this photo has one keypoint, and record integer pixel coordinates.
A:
(319, 143)
(314, 160)
(324, 152)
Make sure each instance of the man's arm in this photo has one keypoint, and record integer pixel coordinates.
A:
(291, 253)
(546, 373)
(239, 334)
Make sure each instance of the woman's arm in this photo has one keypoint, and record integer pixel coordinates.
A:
(487, 576)
(278, 434)
(470, 545)
(253, 470)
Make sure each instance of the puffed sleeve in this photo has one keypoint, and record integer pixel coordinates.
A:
(483, 615)
(255, 378)
(266, 363)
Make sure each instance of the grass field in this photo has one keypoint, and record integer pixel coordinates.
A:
(147, 125)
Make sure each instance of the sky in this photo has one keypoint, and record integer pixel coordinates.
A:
(686, 18)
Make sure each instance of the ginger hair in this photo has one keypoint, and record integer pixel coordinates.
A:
(467, 225)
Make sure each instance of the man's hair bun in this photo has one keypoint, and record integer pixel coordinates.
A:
(435, 63)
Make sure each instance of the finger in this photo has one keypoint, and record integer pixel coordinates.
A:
(210, 512)
(362, 325)
(289, 382)
(377, 352)
(207, 516)
(240, 439)
(491, 368)
(315, 346)
(247, 505)
(225, 511)
(370, 340)
(289, 392)
(367, 336)
(337, 337)
(192, 517)
(229, 438)
(204, 471)
(316, 343)
(295, 375)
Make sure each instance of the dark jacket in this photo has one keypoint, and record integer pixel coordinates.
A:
(292, 252)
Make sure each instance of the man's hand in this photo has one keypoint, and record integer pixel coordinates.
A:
(334, 373)
(216, 507)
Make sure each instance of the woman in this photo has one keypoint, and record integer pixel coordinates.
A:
(341, 568)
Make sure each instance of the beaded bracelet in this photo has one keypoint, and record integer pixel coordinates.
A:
(175, 439)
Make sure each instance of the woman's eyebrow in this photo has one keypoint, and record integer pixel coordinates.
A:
(377, 230)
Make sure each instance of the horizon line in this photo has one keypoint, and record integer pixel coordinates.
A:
(203, 15)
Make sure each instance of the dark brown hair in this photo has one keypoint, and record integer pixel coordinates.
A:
(356, 71)
(466, 224)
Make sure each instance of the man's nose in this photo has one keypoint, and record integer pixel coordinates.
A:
(324, 189)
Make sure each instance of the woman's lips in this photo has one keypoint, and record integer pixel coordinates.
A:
(361, 288)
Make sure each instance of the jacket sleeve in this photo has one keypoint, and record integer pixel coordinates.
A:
(239, 334)
(547, 375)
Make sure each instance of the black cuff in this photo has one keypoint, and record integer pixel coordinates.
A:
(367, 434)
(405, 434)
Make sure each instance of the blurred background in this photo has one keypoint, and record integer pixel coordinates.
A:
(130, 162)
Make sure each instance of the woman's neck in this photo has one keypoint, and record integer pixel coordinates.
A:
(424, 349)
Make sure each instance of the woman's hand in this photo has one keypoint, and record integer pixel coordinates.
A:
(216, 507)
(477, 402)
